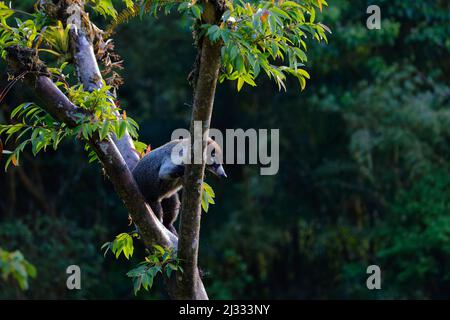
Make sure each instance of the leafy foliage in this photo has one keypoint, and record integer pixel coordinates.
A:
(102, 112)
(57, 37)
(252, 35)
(162, 261)
(43, 131)
(104, 7)
(52, 244)
(15, 265)
(208, 196)
(415, 236)
(257, 36)
(123, 243)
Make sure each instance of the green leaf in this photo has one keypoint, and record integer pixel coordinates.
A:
(205, 202)
(105, 130)
(196, 11)
(260, 34)
(129, 3)
(159, 248)
(105, 8)
(207, 196)
(30, 269)
(106, 245)
(209, 190)
(303, 73)
(137, 284)
(22, 107)
(240, 83)
(168, 272)
(280, 12)
(122, 129)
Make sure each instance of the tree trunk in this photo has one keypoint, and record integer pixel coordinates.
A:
(205, 88)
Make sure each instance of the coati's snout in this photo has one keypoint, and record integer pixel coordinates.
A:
(215, 159)
(159, 177)
(217, 169)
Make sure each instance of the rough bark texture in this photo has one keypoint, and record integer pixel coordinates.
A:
(205, 88)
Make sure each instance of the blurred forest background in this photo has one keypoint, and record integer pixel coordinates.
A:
(364, 172)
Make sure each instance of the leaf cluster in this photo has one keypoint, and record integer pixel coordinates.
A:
(15, 265)
(33, 126)
(123, 243)
(208, 196)
(162, 260)
(266, 36)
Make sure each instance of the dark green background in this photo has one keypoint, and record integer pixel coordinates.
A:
(364, 171)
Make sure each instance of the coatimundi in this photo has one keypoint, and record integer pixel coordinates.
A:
(159, 178)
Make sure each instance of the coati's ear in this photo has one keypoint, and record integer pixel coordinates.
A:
(179, 153)
(213, 153)
(184, 153)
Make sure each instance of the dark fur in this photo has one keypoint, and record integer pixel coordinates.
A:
(159, 180)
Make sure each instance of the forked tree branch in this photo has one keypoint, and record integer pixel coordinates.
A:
(82, 31)
(56, 103)
(89, 74)
(63, 110)
(112, 153)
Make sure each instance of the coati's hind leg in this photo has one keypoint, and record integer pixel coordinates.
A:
(157, 209)
(171, 207)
